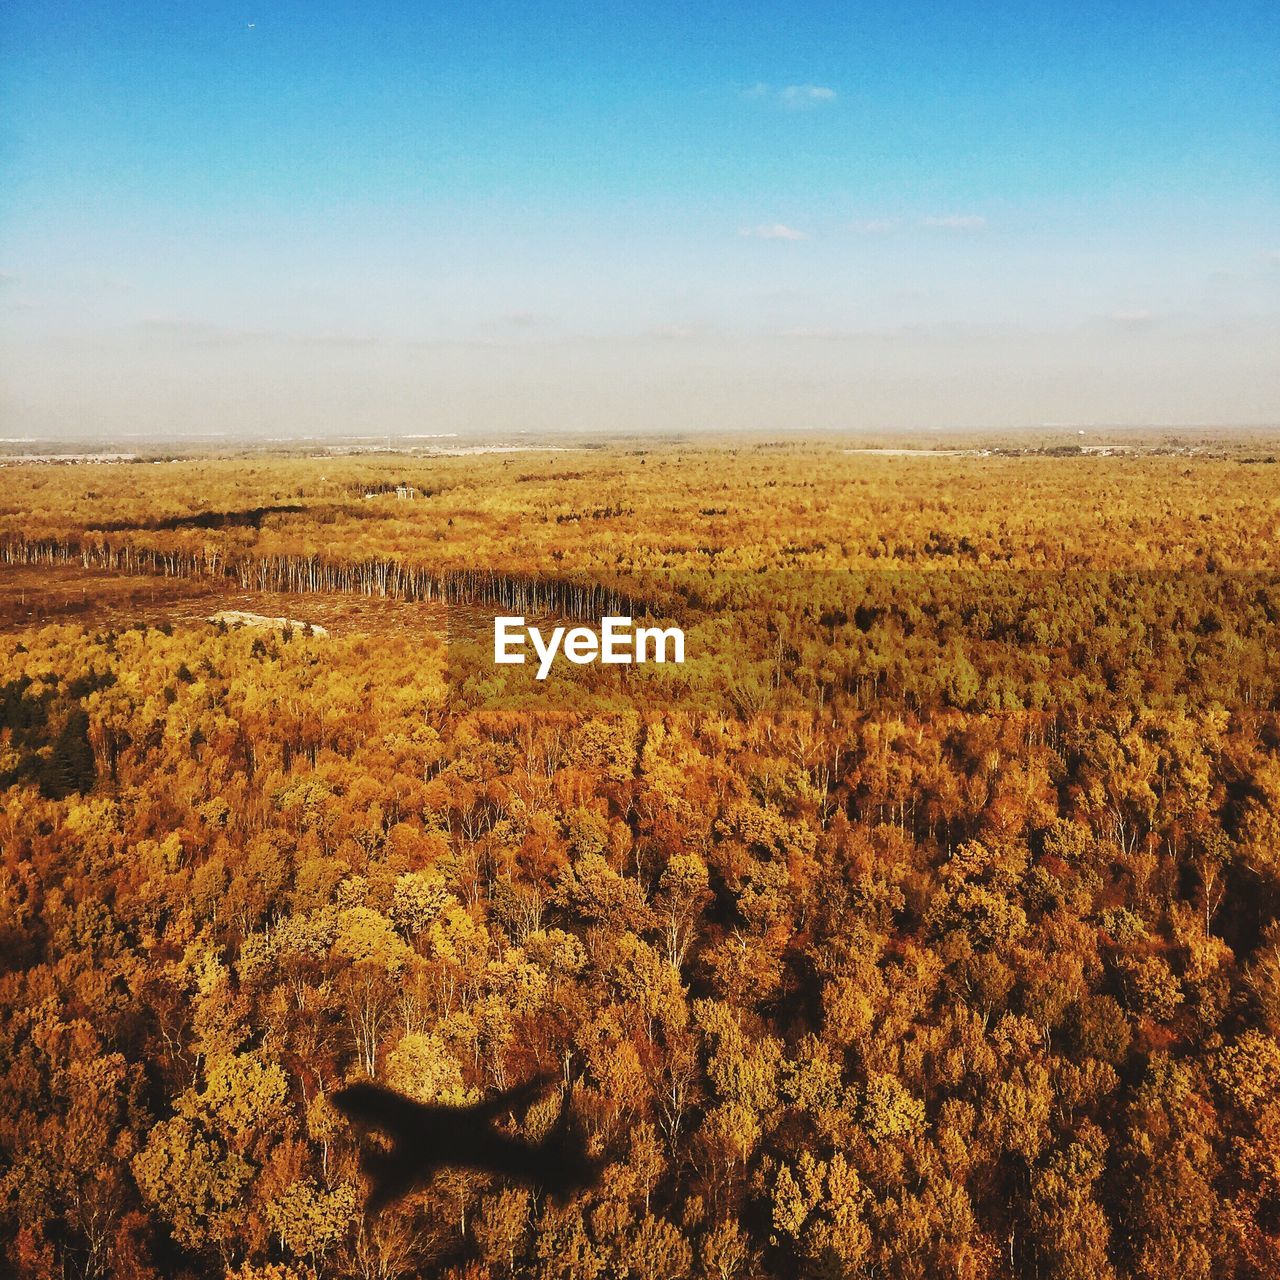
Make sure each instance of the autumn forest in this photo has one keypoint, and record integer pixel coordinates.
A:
(925, 923)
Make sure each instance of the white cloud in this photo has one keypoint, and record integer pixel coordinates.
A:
(873, 226)
(805, 95)
(773, 231)
(956, 222)
(795, 97)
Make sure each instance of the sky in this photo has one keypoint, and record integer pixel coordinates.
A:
(271, 218)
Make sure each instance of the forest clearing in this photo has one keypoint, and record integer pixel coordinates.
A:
(106, 599)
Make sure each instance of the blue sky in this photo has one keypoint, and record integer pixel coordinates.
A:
(269, 216)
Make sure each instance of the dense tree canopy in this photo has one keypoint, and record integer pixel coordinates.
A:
(941, 941)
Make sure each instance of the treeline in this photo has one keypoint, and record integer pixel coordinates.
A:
(309, 574)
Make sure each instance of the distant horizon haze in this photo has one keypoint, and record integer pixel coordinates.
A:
(338, 219)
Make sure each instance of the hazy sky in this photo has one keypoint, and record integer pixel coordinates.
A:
(277, 217)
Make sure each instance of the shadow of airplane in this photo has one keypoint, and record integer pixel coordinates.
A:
(425, 1139)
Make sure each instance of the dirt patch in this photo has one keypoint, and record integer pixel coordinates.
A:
(37, 596)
